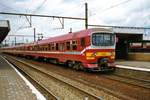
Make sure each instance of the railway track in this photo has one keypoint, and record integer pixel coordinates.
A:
(132, 90)
(47, 93)
(85, 95)
(130, 81)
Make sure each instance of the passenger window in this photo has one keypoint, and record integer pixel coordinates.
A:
(46, 47)
(61, 46)
(37, 47)
(49, 47)
(68, 45)
(56, 46)
(82, 42)
(74, 45)
(52, 46)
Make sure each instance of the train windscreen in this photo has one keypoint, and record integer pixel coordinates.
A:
(103, 39)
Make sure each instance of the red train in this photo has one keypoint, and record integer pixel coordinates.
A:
(92, 49)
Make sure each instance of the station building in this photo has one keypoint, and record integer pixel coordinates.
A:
(126, 36)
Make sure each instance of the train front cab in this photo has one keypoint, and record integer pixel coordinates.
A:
(100, 56)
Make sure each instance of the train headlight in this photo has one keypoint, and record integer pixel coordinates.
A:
(102, 54)
(112, 55)
(90, 55)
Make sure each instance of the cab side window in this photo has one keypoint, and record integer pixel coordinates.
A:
(68, 45)
(74, 45)
(82, 42)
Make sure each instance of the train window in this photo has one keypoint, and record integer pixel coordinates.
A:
(61, 46)
(49, 46)
(52, 46)
(30, 49)
(74, 45)
(68, 45)
(46, 49)
(56, 46)
(103, 39)
(82, 42)
(37, 47)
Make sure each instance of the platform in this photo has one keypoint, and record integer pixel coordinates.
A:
(135, 65)
(12, 86)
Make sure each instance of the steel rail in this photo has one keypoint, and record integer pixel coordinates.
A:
(118, 95)
(124, 78)
(30, 66)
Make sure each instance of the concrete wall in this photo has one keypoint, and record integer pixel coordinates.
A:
(139, 56)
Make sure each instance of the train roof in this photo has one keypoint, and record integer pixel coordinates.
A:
(74, 35)
(21, 45)
(67, 36)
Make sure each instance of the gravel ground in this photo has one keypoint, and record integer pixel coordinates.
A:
(64, 91)
(118, 89)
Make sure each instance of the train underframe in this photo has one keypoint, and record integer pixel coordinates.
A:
(102, 64)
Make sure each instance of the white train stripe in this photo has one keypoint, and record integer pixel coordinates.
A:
(49, 52)
(133, 68)
(56, 52)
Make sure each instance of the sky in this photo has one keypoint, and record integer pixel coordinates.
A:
(134, 13)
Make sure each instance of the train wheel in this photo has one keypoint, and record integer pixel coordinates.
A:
(114, 69)
(78, 66)
(70, 64)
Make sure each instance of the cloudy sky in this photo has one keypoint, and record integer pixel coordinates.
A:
(101, 12)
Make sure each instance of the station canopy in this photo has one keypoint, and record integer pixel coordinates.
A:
(4, 29)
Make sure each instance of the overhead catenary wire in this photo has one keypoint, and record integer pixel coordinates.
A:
(39, 7)
(113, 6)
(34, 11)
(8, 7)
(29, 20)
(20, 14)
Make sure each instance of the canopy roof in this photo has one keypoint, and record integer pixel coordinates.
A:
(4, 29)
